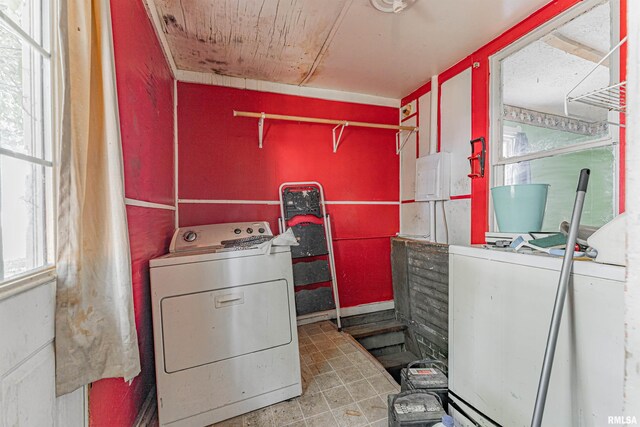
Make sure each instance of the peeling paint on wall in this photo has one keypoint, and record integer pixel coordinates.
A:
(145, 89)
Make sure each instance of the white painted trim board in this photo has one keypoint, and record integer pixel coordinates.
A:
(156, 23)
(145, 204)
(285, 89)
(345, 312)
(175, 152)
(277, 203)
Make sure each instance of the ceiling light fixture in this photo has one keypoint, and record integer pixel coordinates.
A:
(391, 6)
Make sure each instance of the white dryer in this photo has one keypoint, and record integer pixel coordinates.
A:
(224, 324)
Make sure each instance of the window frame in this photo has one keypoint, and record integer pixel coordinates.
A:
(496, 121)
(48, 101)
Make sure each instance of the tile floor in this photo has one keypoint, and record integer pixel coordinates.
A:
(342, 385)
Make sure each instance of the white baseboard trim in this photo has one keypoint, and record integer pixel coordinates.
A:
(305, 319)
(345, 312)
(148, 410)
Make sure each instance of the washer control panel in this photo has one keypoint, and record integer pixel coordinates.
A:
(201, 237)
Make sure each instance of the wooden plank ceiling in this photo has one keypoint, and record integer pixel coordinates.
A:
(344, 45)
(277, 41)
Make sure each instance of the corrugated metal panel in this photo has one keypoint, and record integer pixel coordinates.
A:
(421, 292)
(399, 277)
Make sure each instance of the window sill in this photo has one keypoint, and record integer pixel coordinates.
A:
(28, 281)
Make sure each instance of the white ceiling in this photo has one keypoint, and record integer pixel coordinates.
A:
(539, 76)
(343, 45)
(592, 28)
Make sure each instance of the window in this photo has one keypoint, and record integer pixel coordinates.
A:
(535, 141)
(26, 163)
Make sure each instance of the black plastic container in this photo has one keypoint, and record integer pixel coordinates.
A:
(426, 375)
(414, 408)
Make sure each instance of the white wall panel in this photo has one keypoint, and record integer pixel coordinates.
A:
(72, 409)
(26, 324)
(455, 129)
(458, 222)
(27, 364)
(632, 293)
(500, 307)
(414, 219)
(28, 392)
(408, 163)
(455, 134)
(410, 108)
(424, 115)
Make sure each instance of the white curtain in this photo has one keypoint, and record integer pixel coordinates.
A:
(95, 326)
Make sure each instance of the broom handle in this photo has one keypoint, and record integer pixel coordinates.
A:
(563, 284)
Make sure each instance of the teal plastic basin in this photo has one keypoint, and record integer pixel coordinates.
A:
(520, 208)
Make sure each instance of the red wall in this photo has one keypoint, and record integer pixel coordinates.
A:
(219, 159)
(480, 102)
(145, 95)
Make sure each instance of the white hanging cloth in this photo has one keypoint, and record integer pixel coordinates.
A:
(95, 326)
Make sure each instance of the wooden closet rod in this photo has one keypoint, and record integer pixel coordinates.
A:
(322, 121)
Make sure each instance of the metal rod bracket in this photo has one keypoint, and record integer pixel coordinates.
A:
(336, 141)
(400, 146)
(261, 129)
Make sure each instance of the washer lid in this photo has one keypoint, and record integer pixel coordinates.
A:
(212, 255)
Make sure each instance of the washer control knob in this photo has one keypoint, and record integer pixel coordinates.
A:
(249, 230)
(190, 236)
(237, 231)
(260, 230)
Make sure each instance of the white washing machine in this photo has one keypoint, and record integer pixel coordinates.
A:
(224, 324)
